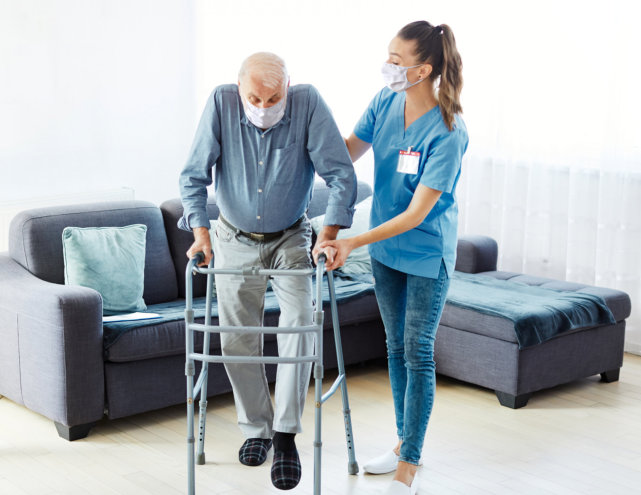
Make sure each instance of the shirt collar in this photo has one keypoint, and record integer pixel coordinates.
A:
(244, 120)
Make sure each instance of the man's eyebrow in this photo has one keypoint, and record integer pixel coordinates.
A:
(250, 94)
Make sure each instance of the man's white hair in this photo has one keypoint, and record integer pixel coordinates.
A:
(268, 66)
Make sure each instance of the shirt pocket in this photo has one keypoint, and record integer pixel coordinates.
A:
(285, 163)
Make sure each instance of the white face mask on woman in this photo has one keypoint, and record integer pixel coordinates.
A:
(395, 77)
(265, 118)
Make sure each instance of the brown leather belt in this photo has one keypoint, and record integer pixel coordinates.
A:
(262, 236)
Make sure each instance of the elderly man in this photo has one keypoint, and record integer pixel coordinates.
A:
(265, 140)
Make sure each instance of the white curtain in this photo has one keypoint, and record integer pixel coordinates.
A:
(551, 101)
(575, 224)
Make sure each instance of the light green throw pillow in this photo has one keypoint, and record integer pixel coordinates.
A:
(358, 260)
(110, 260)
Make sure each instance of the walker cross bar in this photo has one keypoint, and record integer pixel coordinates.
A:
(205, 358)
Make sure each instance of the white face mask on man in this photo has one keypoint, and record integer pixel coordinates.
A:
(264, 118)
(395, 77)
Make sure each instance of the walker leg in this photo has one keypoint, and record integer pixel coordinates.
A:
(191, 469)
(190, 371)
(204, 371)
(202, 418)
(352, 466)
(318, 444)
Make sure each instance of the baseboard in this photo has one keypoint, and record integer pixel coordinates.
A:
(632, 348)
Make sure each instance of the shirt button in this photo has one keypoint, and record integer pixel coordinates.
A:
(258, 217)
(262, 136)
(260, 190)
(260, 162)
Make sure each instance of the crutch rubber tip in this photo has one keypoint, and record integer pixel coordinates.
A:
(200, 459)
(352, 468)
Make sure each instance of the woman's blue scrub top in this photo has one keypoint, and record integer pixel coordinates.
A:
(418, 251)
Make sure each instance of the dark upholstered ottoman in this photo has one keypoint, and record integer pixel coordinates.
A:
(483, 349)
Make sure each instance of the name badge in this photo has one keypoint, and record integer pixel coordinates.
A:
(408, 161)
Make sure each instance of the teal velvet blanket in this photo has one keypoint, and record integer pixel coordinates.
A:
(346, 287)
(538, 314)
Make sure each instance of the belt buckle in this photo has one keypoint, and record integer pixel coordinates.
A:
(256, 237)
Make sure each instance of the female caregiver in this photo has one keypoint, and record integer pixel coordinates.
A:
(418, 139)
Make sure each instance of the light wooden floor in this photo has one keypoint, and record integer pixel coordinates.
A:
(582, 438)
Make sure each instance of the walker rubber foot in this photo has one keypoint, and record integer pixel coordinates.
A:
(200, 459)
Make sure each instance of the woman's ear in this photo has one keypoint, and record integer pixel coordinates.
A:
(425, 71)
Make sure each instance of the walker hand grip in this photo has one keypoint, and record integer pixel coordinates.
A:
(199, 257)
(322, 258)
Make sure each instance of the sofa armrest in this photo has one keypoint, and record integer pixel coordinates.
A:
(51, 352)
(476, 253)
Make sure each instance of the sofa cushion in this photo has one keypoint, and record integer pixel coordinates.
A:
(320, 196)
(181, 240)
(110, 260)
(35, 241)
(168, 339)
(503, 329)
(358, 260)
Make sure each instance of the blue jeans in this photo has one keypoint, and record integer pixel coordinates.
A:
(411, 308)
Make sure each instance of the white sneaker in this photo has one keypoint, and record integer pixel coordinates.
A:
(385, 463)
(414, 487)
(382, 464)
(400, 488)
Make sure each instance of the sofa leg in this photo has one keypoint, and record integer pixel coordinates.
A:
(512, 401)
(610, 376)
(72, 433)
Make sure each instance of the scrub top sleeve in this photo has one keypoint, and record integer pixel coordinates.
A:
(364, 129)
(444, 161)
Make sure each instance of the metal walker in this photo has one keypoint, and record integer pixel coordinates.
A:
(317, 358)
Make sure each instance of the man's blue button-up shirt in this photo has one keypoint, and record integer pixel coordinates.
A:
(264, 179)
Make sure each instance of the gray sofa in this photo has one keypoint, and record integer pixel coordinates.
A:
(52, 358)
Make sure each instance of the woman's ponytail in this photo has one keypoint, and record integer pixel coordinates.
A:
(449, 90)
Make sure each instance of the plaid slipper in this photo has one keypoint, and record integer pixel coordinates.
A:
(254, 451)
(286, 470)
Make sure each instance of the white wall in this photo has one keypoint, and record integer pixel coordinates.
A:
(95, 95)
(101, 94)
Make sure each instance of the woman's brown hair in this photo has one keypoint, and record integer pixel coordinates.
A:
(435, 45)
